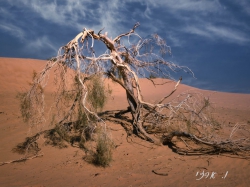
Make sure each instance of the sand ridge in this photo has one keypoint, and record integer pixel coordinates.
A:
(134, 159)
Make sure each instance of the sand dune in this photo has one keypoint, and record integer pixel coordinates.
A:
(134, 159)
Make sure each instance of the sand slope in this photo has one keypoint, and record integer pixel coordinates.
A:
(134, 159)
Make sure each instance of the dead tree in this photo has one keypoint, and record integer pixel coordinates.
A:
(128, 57)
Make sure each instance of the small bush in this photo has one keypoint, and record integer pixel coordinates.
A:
(25, 105)
(103, 155)
(57, 137)
(31, 101)
(97, 92)
(82, 119)
(29, 146)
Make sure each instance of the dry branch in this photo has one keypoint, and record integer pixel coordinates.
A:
(21, 159)
(124, 61)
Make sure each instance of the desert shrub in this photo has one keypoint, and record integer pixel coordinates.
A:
(30, 105)
(25, 105)
(62, 131)
(82, 120)
(104, 147)
(97, 92)
(84, 125)
(67, 97)
(80, 127)
(29, 146)
(57, 137)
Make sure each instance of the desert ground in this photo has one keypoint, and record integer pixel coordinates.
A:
(133, 159)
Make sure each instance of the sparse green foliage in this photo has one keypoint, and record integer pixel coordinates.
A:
(80, 132)
(32, 102)
(62, 132)
(97, 92)
(103, 155)
(29, 146)
(56, 137)
(82, 119)
(68, 97)
(84, 127)
(34, 75)
(25, 105)
(189, 125)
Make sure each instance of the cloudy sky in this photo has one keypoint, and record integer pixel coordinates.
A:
(212, 37)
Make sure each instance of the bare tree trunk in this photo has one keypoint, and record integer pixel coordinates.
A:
(135, 107)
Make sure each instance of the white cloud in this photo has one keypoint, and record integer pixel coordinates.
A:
(197, 31)
(63, 12)
(13, 30)
(7, 24)
(212, 32)
(40, 43)
(67, 14)
(109, 17)
(228, 34)
(175, 40)
(5, 13)
(245, 5)
(148, 13)
(183, 5)
(79, 14)
(193, 5)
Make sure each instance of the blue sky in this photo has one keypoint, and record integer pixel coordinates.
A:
(212, 37)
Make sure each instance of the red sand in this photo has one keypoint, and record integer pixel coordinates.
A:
(133, 161)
